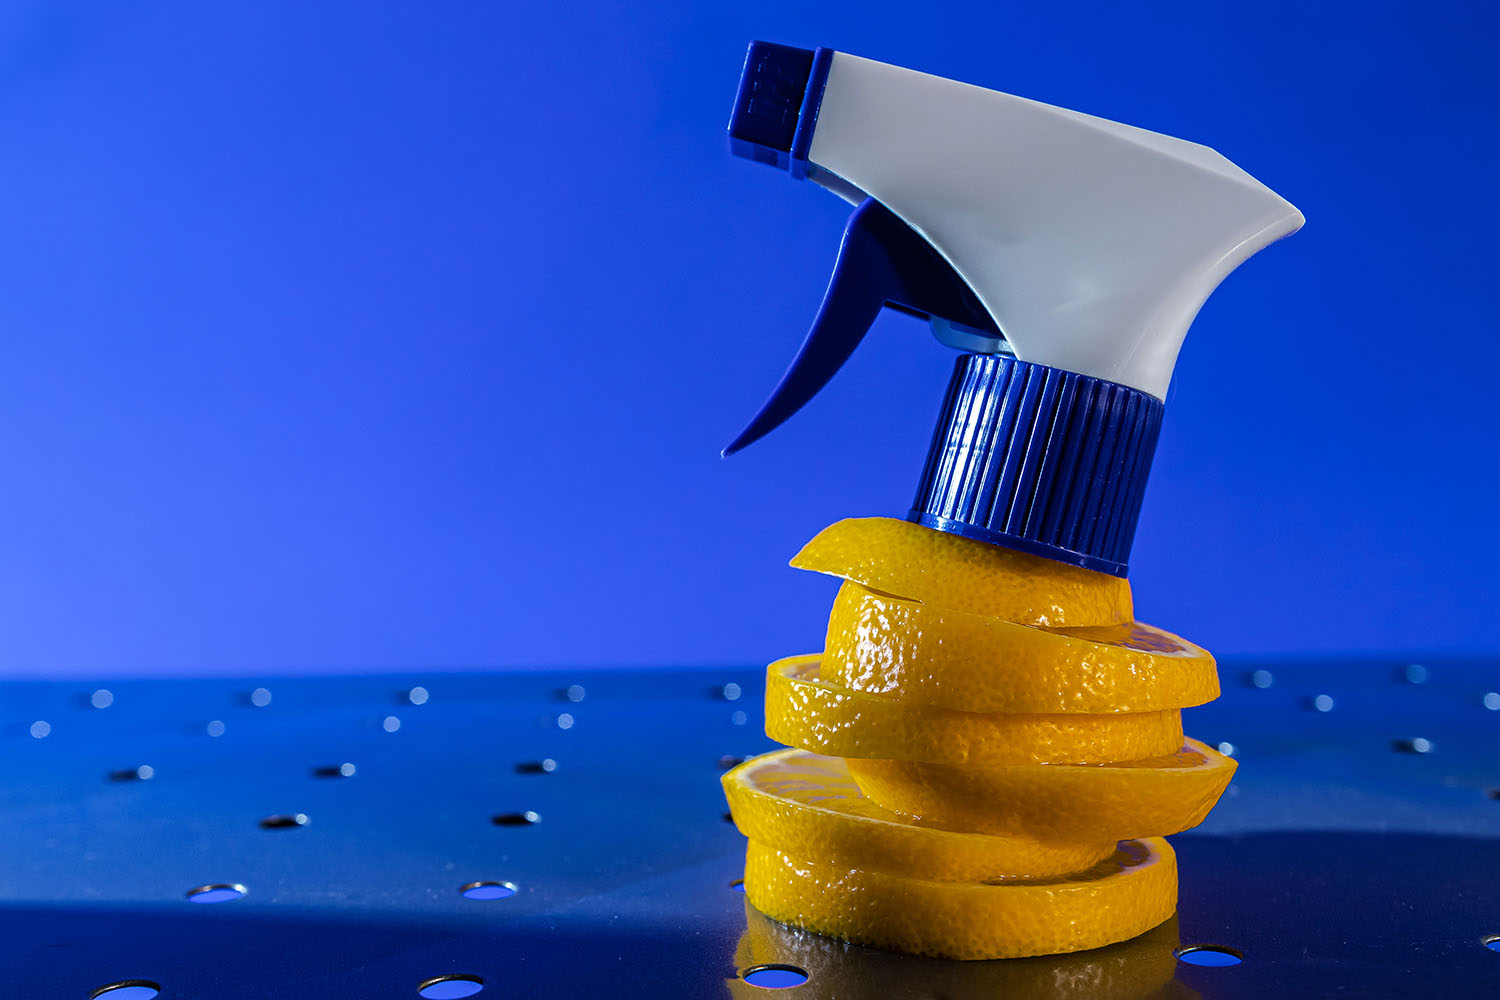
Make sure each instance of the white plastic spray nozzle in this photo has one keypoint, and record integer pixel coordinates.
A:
(1065, 255)
(1088, 245)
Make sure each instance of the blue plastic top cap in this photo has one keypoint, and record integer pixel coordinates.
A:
(776, 108)
(1040, 459)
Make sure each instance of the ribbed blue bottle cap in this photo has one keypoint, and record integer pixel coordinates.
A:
(1039, 459)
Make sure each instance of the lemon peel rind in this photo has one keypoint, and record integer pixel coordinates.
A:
(1129, 799)
(903, 649)
(836, 822)
(803, 710)
(967, 921)
(947, 570)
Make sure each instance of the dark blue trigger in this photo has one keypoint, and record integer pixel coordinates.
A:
(882, 262)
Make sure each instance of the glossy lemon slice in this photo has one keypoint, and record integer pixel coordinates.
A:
(808, 805)
(980, 663)
(1157, 796)
(949, 571)
(1126, 894)
(825, 717)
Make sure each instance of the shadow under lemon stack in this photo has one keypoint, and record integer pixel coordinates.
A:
(987, 754)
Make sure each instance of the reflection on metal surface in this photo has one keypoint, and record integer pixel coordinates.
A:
(216, 893)
(1132, 970)
(488, 890)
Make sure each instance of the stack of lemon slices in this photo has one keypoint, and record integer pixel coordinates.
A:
(986, 754)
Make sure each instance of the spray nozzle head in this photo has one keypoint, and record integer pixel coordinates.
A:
(1066, 254)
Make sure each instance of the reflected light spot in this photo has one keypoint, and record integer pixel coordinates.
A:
(221, 893)
(450, 987)
(488, 890)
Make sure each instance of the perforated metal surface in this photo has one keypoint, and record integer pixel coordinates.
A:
(1341, 862)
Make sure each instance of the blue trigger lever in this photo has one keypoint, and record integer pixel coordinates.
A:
(882, 262)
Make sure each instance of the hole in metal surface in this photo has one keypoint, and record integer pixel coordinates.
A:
(527, 818)
(128, 989)
(344, 770)
(1415, 745)
(102, 698)
(287, 821)
(774, 977)
(220, 893)
(1492, 942)
(488, 890)
(453, 987)
(1212, 956)
(544, 766)
(143, 773)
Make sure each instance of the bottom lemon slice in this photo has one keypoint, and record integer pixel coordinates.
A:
(824, 716)
(1126, 894)
(1156, 796)
(809, 806)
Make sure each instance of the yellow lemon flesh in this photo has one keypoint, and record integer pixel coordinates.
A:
(808, 806)
(949, 571)
(1160, 795)
(805, 711)
(924, 655)
(1131, 891)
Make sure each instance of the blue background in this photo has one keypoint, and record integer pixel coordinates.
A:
(358, 337)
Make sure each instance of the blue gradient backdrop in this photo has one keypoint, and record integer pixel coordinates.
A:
(355, 337)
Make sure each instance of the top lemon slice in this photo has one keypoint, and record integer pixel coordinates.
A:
(922, 655)
(808, 805)
(950, 571)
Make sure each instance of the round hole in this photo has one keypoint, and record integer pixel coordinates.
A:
(544, 766)
(450, 987)
(215, 728)
(221, 893)
(1261, 679)
(390, 724)
(102, 698)
(345, 770)
(128, 989)
(41, 729)
(287, 821)
(1209, 955)
(731, 691)
(488, 890)
(527, 818)
(575, 693)
(143, 773)
(260, 697)
(774, 977)
(417, 695)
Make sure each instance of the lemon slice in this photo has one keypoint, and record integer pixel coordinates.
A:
(1137, 969)
(1158, 796)
(950, 571)
(979, 663)
(1126, 894)
(818, 715)
(808, 805)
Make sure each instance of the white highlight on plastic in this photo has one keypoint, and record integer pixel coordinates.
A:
(1092, 244)
(41, 729)
(260, 697)
(1492, 701)
(102, 698)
